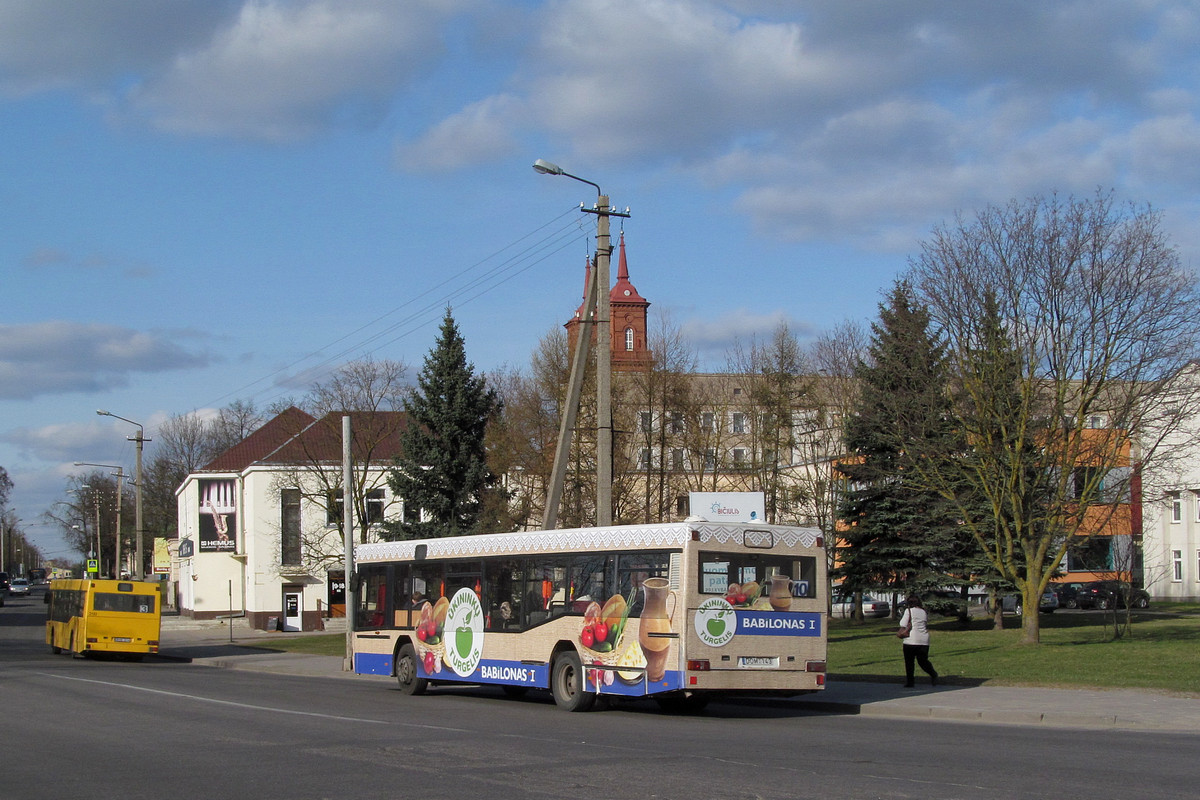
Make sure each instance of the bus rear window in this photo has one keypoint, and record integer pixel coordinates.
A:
(719, 570)
(127, 603)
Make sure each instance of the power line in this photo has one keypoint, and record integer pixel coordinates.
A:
(494, 276)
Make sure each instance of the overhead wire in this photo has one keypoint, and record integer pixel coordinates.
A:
(562, 235)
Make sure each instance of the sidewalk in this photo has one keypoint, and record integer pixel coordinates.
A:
(208, 643)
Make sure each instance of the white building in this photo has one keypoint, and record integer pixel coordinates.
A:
(260, 526)
(1171, 506)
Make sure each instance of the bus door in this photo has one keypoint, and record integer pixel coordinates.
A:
(293, 608)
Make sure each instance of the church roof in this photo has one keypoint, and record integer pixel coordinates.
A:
(624, 291)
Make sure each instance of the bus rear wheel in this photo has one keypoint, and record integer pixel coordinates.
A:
(406, 672)
(566, 684)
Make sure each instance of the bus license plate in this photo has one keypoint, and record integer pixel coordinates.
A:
(758, 662)
(123, 639)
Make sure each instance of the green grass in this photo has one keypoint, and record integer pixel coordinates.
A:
(1076, 650)
(320, 644)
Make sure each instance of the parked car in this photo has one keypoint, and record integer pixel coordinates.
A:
(19, 586)
(1011, 603)
(1067, 594)
(1109, 594)
(3, 584)
(843, 606)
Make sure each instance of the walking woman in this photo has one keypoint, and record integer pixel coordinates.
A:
(914, 630)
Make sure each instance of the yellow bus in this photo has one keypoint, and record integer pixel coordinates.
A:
(104, 616)
(678, 612)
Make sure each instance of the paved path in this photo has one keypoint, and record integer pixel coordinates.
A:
(210, 643)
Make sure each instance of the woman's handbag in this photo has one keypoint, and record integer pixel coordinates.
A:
(903, 631)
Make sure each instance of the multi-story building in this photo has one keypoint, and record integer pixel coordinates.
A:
(260, 527)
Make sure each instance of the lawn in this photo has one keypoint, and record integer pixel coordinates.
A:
(1077, 649)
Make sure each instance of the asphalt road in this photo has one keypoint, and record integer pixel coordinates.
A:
(78, 727)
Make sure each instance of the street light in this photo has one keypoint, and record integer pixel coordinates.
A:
(139, 565)
(120, 473)
(598, 292)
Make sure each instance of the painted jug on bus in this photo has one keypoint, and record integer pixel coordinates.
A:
(781, 593)
(655, 624)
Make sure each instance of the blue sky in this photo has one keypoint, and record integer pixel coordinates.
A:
(210, 200)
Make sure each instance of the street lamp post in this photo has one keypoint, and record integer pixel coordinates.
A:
(604, 439)
(120, 473)
(139, 563)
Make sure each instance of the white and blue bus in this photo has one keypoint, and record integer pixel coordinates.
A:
(680, 612)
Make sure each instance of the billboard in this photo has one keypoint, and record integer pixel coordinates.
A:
(728, 506)
(218, 516)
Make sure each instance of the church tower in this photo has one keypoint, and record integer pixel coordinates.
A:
(630, 352)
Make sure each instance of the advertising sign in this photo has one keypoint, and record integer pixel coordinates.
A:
(218, 517)
(728, 506)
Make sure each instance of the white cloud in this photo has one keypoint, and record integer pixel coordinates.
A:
(53, 44)
(479, 133)
(715, 337)
(55, 357)
(285, 70)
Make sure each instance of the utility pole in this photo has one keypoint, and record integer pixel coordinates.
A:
(139, 567)
(348, 540)
(603, 320)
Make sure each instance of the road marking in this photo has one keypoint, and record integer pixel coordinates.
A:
(214, 701)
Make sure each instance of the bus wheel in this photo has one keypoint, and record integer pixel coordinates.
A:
(406, 672)
(566, 684)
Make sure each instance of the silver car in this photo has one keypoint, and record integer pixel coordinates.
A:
(19, 586)
(1011, 603)
(843, 606)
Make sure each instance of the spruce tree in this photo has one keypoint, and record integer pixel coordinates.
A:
(443, 471)
(900, 536)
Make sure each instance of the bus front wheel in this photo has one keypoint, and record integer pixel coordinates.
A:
(406, 672)
(566, 684)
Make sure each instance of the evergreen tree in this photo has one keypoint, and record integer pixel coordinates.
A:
(900, 536)
(443, 471)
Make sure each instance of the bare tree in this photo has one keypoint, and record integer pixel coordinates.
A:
(370, 392)
(654, 408)
(834, 356)
(1068, 320)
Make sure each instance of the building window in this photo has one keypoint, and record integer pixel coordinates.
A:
(681, 505)
(710, 458)
(739, 422)
(375, 507)
(706, 421)
(411, 513)
(1176, 565)
(676, 422)
(739, 458)
(1089, 478)
(629, 340)
(644, 458)
(333, 508)
(677, 463)
(645, 421)
(1176, 508)
(289, 527)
